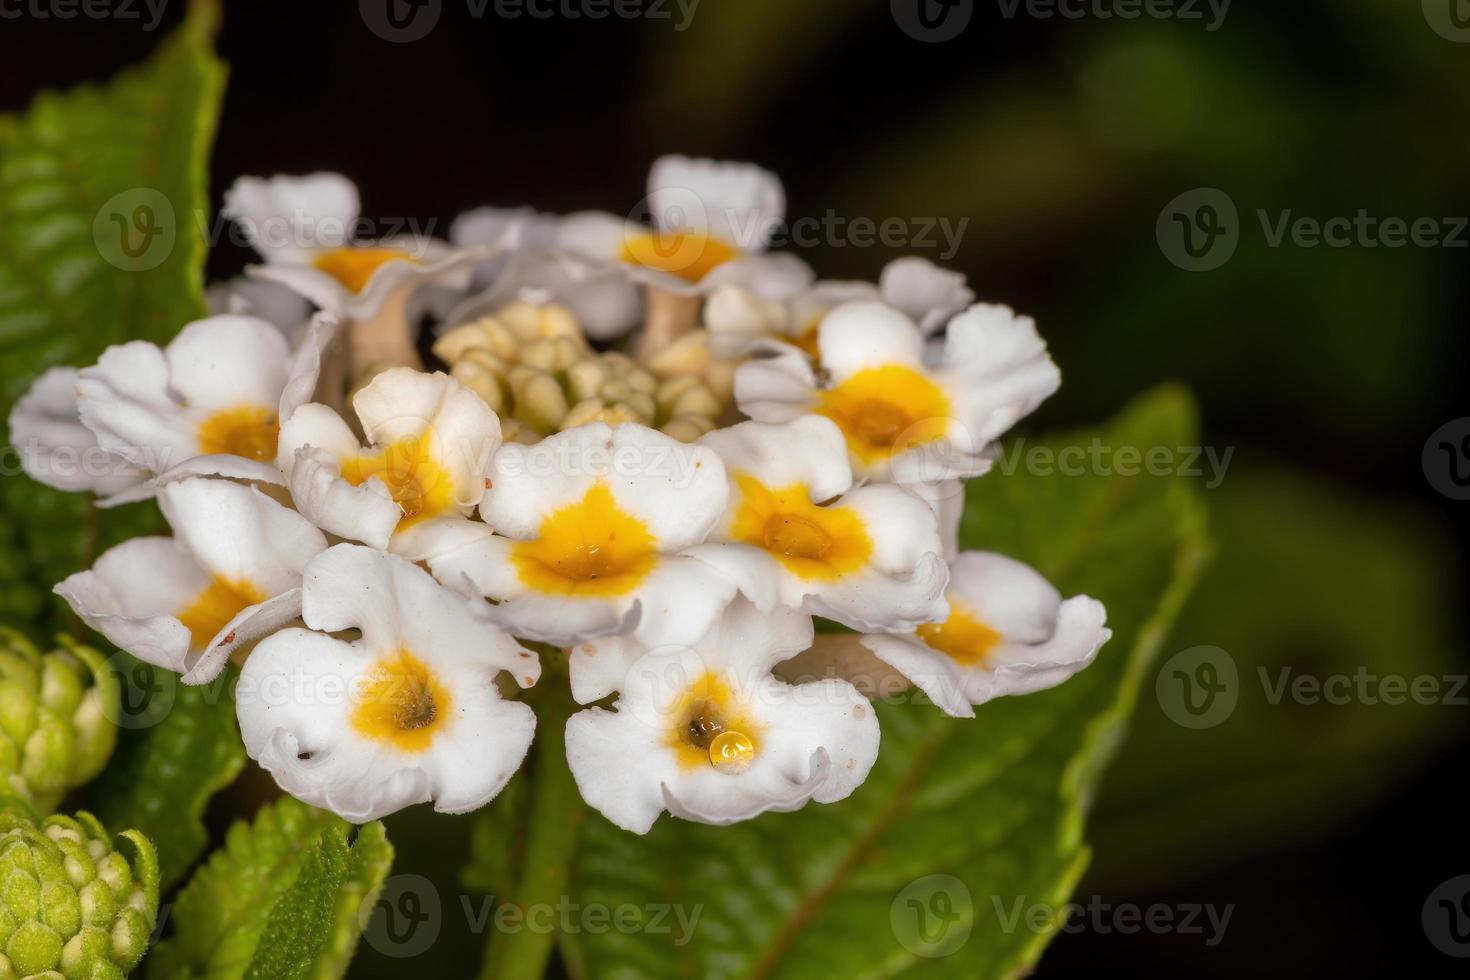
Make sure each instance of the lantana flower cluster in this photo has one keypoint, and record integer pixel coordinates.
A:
(649, 455)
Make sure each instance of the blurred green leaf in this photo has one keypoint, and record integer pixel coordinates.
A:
(77, 172)
(997, 802)
(1310, 580)
(180, 745)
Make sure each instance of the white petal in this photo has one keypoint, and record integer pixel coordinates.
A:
(238, 533)
(248, 625)
(620, 766)
(366, 513)
(947, 499)
(996, 369)
(316, 426)
(596, 234)
(306, 364)
(402, 403)
(937, 675)
(1009, 596)
(124, 399)
(677, 491)
(605, 303)
(133, 594)
(681, 598)
(775, 276)
(776, 389)
(925, 293)
(860, 335)
(289, 219)
(737, 202)
(273, 303)
(809, 450)
(55, 448)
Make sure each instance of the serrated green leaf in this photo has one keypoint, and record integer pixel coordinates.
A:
(71, 168)
(996, 802)
(291, 864)
(314, 927)
(180, 745)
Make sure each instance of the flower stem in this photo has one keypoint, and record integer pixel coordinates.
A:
(552, 826)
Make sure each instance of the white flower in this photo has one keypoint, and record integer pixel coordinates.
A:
(269, 301)
(907, 419)
(588, 525)
(209, 403)
(306, 230)
(56, 448)
(712, 224)
(709, 735)
(741, 322)
(798, 534)
(429, 441)
(601, 297)
(406, 713)
(230, 574)
(1008, 632)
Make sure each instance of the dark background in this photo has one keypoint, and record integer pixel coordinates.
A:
(1061, 141)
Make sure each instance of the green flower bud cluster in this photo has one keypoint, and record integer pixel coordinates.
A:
(70, 905)
(58, 714)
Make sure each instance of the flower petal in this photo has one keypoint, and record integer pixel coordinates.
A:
(290, 219)
(809, 450)
(737, 202)
(56, 449)
(365, 513)
(924, 292)
(237, 533)
(867, 334)
(996, 369)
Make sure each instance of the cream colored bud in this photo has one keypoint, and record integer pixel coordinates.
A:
(687, 355)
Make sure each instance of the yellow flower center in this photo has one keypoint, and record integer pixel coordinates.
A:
(353, 267)
(886, 410)
(220, 602)
(590, 548)
(689, 255)
(418, 483)
(962, 637)
(712, 728)
(245, 430)
(814, 542)
(401, 702)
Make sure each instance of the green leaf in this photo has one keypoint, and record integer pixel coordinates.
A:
(996, 802)
(313, 928)
(279, 899)
(77, 171)
(1311, 580)
(180, 745)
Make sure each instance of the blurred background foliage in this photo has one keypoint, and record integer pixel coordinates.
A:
(1060, 141)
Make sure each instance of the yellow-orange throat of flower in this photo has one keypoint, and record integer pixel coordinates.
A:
(710, 727)
(221, 601)
(353, 266)
(418, 483)
(401, 702)
(822, 543)
(689, 255)
(250, 431)
(589, 548)
(886, 410)
(963, 637)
